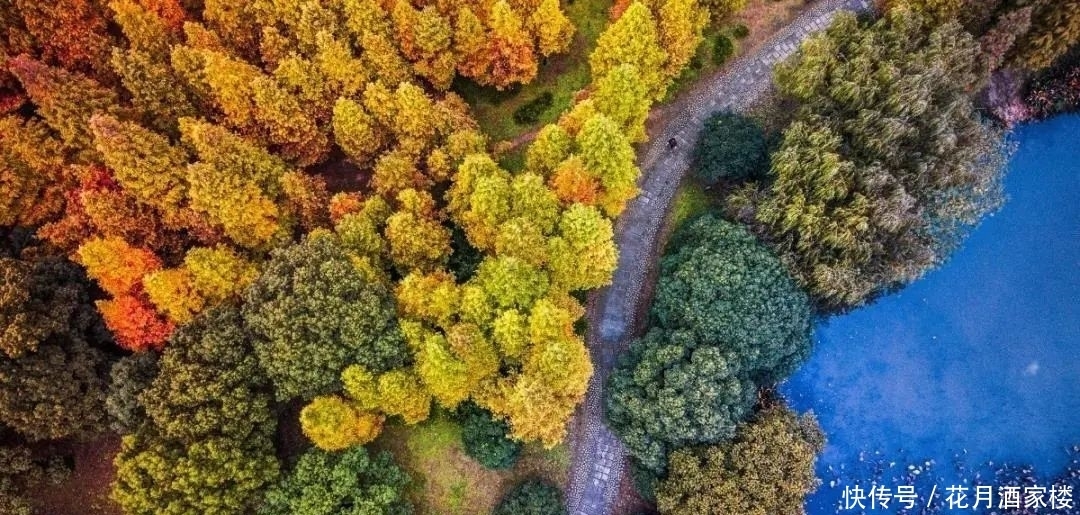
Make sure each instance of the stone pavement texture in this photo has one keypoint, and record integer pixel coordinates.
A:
(599, 456)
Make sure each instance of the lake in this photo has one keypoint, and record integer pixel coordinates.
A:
(975, 365)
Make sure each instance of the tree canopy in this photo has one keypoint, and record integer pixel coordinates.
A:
(206, 445)
(532, 497)
(352, 481)
(53, 374)
(731, 147)
(727, 320)
(887, 162)
(767, 468)
(336, 317)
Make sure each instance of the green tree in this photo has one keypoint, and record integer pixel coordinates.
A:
(52, 376)
(338, 317)
(208, 382)
(352, 481)
(485, 438)
(887, 163)
(207, 444)
(532, 497)
(128, 378)
(696, 373)
(222, 476)
(768, 468)
(731, 148)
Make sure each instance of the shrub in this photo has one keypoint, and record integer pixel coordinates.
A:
(484, 438)
(533, 497)
(530, 111)
(723, 49)
(740, 31)
(732, 148)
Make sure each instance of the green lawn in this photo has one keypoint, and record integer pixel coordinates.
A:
(562, 75)
(691, 200)
(449, 482)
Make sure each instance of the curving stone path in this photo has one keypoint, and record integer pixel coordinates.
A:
(599, 456)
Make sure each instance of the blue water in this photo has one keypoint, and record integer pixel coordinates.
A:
(977, 362)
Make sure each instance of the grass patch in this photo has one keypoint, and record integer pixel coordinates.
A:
(449, 482)
(560, 76)
(690, 201)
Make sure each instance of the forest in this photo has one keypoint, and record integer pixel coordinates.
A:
(266, 246)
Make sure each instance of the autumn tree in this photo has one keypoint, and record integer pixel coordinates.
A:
(768, 467)
(554, 31)
(219, 273)
(339, 318)
(64, 99)
(398, 392)
(143, 162)
(608, 156)
(512, 58)
(117, 266)
(333, 423)
(32, 173)
(680, 24)
(134, 322)
(417, 238)
(73, 33)
(235, 183)
(1055, 27)
(621, 95)
(633, 39)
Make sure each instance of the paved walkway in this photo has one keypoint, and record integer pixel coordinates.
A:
(599, 457)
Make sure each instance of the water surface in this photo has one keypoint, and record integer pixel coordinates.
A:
(979, 361)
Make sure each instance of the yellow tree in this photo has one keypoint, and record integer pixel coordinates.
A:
(417, 239)
(633, 39)
(356, 132)
(32, 178)
(143, 162)
(680, 24)
(219, 273)
(234, 184)
(173, 293)
(608, 155)
(621, 95)
(583, 255)
(510, 48)
(554, 31)
(65, 100)
(333, 423)
(432, 298)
